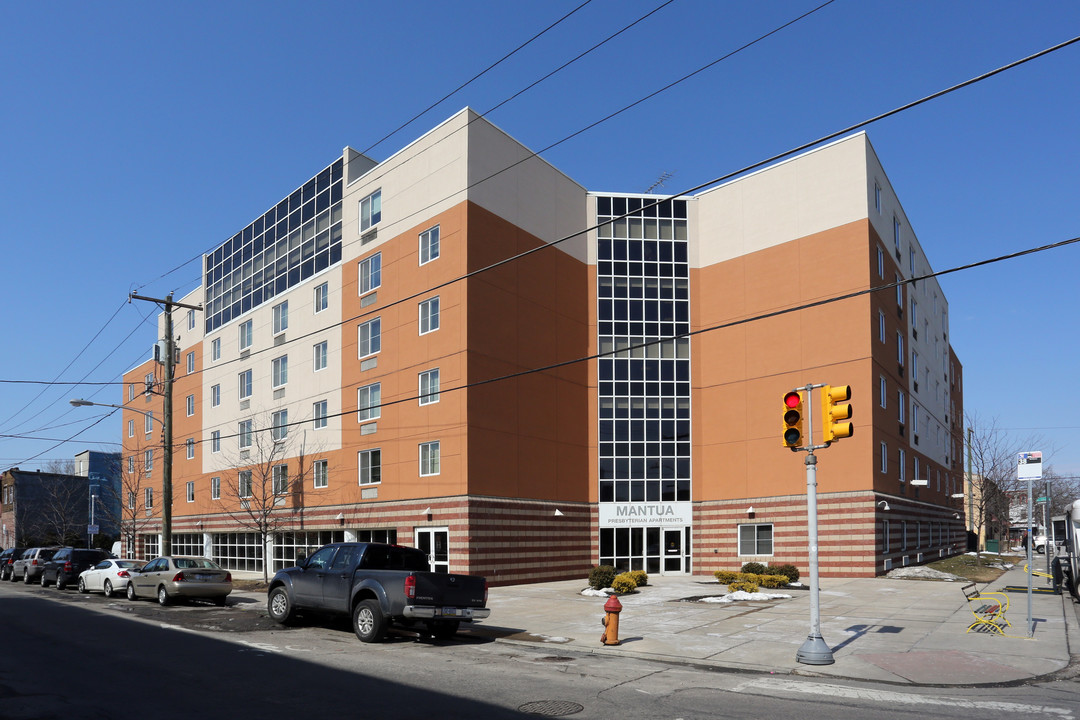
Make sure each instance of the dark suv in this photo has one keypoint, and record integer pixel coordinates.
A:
(7, 562)
(64, 567)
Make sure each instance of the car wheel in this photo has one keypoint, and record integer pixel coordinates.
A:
(108, 589)
(26, 577)
(443, 629)
(61, 583)
(43, 581)
(131, 592)
(279, 607)
(368, 621)
(163, 596)
(82, 585)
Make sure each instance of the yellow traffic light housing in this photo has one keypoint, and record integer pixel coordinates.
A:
(793, 419)
(834, 410)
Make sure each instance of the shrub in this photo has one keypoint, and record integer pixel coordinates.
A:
(772, 581)
(747, 577)
(744, 586)
(754, 567)
(640, 577)
(789, 571)
(601, 576)
(623, 583)
(726, 576)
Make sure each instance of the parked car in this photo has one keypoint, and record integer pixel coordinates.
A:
(28, 567)
(7, 561)
(66, 564)
(167, 578)
(109, 576)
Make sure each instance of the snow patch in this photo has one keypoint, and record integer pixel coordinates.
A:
(593, 592)
(921, 572)
(742, 595)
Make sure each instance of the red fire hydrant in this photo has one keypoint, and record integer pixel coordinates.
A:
(612, 608)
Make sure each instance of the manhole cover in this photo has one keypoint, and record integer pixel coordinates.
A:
(551, 708)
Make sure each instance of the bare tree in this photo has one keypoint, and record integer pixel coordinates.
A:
(59, 466)
(265, 492)
(62, 511)
(127, 509)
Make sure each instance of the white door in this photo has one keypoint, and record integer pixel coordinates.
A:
(436, 543)
(672, 559)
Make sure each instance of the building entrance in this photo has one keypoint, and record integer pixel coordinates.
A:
(436, 543)
(656, 550)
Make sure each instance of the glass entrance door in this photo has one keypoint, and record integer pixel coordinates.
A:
(673, 551)
(436, 543)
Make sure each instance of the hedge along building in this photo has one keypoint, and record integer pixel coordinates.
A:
(364, 369)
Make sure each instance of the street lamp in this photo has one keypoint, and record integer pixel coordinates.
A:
(166, 476)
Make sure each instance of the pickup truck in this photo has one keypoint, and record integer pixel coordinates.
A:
(377, 585)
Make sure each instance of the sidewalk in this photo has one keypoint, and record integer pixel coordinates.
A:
(900, 631)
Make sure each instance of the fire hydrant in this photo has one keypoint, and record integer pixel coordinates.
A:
(612, 608)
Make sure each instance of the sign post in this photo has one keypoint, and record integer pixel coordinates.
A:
(1029, 467)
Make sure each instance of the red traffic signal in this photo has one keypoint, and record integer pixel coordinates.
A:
(793, 420)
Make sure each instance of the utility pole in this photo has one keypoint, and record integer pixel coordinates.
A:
(167, 430)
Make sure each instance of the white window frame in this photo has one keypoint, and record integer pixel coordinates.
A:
(369, 274)
(319, 415)
(191, 362)
(281, 317)
(429, 387)
(132, 500)
(279, 427)
(896, 226)
(243, 483)
(131, 391)
(215, 395)
(884, 465)
(148, 498)
(372, 343)
(215, 349)
(369, 402)
(883, 391)
(131, 463)
(245, 384)
(755, 551)
(246, 332)
(279, 372)
(215, 488)
(148, 460)
(900, 348)
(148, 422)
(215, 441)
(189, 405)
(244, 434)
(370, 211)
(321, 300)
(369, 466)
(279, 479)
(190, 494)
(430, 458)
(131, 428)
(320, 474)
(429, 315)
(429, 245)
(903, 465)
(190, 319)
(319, 355)
(901, 402)
(189, 446)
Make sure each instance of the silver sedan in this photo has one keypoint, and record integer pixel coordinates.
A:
(167, 578)
(109, 576)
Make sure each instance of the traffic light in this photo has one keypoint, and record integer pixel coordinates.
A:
(834, 410)
(793, 420)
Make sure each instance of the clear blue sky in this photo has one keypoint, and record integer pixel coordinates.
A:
(134, 136)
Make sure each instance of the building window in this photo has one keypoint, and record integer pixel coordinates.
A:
(189, 445)
(244, 433)
(429, 387)
(319, 414)
(131, 428)
(243, 484)
(915, 316)
(903, 466)
(877, 197)
(369, 337)
(884, 457)
(371, 211)
(881, 263)
(190, 362)
(245, 335)
(914, 417)
(881, 326)
(148, 422)
(281, 317)
(369, 402)
(900, 291)
(215, 441)
(370, 464)
(131, 463)
(320, 356)
(370, 273)
(131, 499)
(149, 381)
(148, 461)
(321, 473)
(903, 535)
(900, 348)
(322, 297)
(148, 498)
(279, 371)
(429, 315)
(245, 384)
(190, 405)
(429, 245)
(915, 463)
(280, 478)
(896, 232)
(215, 395)
(190, 319)
(911, 260)
(429, 458)
(280, 425)
(215, 488)
(191, 491)
(756, 539)
(131, 391)
(885, 536)
(901, 405)
(215, 349)
(883, 389)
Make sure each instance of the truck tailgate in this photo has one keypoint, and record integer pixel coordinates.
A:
(452, 590)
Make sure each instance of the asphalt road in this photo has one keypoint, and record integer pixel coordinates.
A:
(65, 655)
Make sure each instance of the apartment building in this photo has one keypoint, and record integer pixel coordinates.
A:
(462, 349)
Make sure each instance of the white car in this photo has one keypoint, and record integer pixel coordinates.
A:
(109, 576)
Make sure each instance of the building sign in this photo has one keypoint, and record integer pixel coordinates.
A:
(669, 514)
(1029, 466)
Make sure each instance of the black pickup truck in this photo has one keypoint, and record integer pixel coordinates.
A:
(377, 585)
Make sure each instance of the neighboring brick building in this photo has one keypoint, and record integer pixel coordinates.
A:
(358, 373)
